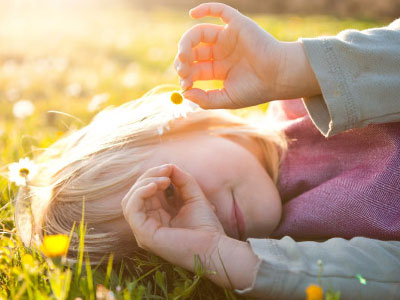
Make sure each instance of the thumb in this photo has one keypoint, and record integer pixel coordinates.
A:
(211, 99)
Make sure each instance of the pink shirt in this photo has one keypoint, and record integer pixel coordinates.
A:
(346, 185)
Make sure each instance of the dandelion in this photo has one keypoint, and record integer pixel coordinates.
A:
(130, 79)
(55, 245)
(23, 109)
(22, 171)
(97, 101)
(314, 292)
(74, 89)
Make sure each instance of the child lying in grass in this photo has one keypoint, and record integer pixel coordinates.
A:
(213, 185)
(204, 184)
(206, 170)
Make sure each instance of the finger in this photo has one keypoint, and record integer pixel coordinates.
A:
(200, 33)
(203, 53)
(160, 181)
(210, 70)
(152, 203)
(163, 170)
(134, 207)
(186, 184)
(178, 66)
(161, 215)
(182, 69)
(134, 189)
(220, 10)
(211, 99)
(186, 83)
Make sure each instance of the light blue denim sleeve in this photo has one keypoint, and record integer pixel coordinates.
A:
(287, 267)
(359, 76)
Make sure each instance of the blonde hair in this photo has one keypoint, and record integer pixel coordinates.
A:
(105, 157)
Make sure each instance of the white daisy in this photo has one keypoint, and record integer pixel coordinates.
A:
(177, 111)
(22, 171)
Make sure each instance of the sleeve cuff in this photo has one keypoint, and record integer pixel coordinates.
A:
(335, 110)
(266, 280)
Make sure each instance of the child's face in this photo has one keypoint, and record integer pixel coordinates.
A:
(227, 170)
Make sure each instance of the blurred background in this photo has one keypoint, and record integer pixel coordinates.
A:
(61, 61)
(344, 8)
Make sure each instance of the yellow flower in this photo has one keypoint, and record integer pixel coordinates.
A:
(55, 245)
(27, 260)
(176, 98)
(314, 292)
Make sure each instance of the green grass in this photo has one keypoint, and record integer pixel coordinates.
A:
(60, 59)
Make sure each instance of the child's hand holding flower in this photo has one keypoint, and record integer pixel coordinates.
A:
(253, 65)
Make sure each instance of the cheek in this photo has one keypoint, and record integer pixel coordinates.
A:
(213, 176)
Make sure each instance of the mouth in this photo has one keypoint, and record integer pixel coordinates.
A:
(237, 215)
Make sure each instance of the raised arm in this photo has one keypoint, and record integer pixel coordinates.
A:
(347, 81)
(253, 65)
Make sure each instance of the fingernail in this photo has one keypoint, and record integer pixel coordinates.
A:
(164, 167)
(185, 90)
(162, 178)
(181, 56)
(185, 85)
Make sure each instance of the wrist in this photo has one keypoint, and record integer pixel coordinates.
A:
(234, 263)
(296, 79)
